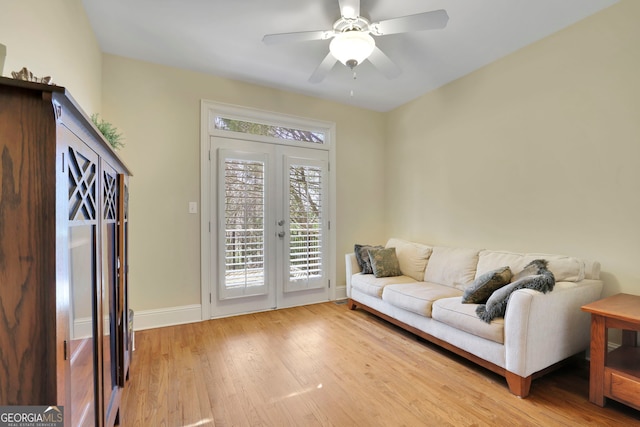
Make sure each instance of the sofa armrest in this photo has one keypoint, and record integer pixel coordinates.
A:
(543, 329)
(352, 267)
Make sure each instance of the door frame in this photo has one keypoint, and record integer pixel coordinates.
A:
(208, 112)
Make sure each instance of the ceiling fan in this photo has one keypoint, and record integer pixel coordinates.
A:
(352, 42)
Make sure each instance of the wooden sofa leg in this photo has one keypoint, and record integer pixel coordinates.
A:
(518, 385)
(351, 304)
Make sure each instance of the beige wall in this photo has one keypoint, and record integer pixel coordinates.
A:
(53, 38)
(158, 110)
(537, 152)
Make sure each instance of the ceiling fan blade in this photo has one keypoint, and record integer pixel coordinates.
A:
(302, 36)
(323, 69)
(385, 65)
(349, 8)
(435, 20)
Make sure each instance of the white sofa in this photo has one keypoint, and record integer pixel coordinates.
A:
(537, 333)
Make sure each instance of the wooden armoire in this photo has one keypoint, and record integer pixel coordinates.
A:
(63, 258)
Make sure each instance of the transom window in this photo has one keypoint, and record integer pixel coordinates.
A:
(274, 131)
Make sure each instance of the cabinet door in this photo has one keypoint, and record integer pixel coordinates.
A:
(83, 178)
(109, 294)
(124, 334)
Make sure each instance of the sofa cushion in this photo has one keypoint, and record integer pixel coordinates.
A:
(454, 267)
(417, 297)
(362, 257)
(370, 285)
(564, 268)
(535, 276)
(384, 262)
(452, 312)
(412, 257)
(591, 270)
(484, 285)
(490, 260)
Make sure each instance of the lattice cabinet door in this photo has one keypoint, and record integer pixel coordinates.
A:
(83, 207)
(111, 323)
(124, 316)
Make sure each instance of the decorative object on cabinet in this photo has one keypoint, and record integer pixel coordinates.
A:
(109, 131)
(63, 258)
(28, 76)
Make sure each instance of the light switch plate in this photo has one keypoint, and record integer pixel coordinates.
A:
(193, 207)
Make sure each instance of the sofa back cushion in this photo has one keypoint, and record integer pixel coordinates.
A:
(490, 260)
(564, 268)
(413, 257)
(455, 267)
(591, 270)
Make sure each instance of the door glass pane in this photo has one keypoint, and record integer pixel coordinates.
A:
(244, 213)
(305, 225)
(109, 286)
(108, 313)
(82, 281)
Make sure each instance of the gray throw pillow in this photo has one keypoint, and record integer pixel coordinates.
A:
(485, 284)
(384, 262)
(362, 257)
(536, 276)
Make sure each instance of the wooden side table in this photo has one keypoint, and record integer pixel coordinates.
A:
(615, 374)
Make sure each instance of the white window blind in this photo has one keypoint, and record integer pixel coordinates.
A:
(244, 214)
(305, 226)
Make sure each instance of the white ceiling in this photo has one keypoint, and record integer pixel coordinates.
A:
(224, 38)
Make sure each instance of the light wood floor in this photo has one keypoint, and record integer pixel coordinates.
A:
(324, 365)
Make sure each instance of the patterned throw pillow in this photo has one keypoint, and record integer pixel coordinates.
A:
(485, 284)
(384, 262)
(362, 257)
(535, 276)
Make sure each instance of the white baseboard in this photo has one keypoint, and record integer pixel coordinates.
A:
(82, 328)
(610, 347)
(341, 292)
(157, 318)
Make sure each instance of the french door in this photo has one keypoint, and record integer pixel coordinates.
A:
(269, 234)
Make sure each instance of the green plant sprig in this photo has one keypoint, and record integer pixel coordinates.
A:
(109, 131)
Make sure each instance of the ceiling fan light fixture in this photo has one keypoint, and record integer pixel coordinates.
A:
(352, 47)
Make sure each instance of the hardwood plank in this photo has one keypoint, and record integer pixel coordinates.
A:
(324, 365)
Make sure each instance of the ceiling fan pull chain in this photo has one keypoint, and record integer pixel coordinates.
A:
(354, 77)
